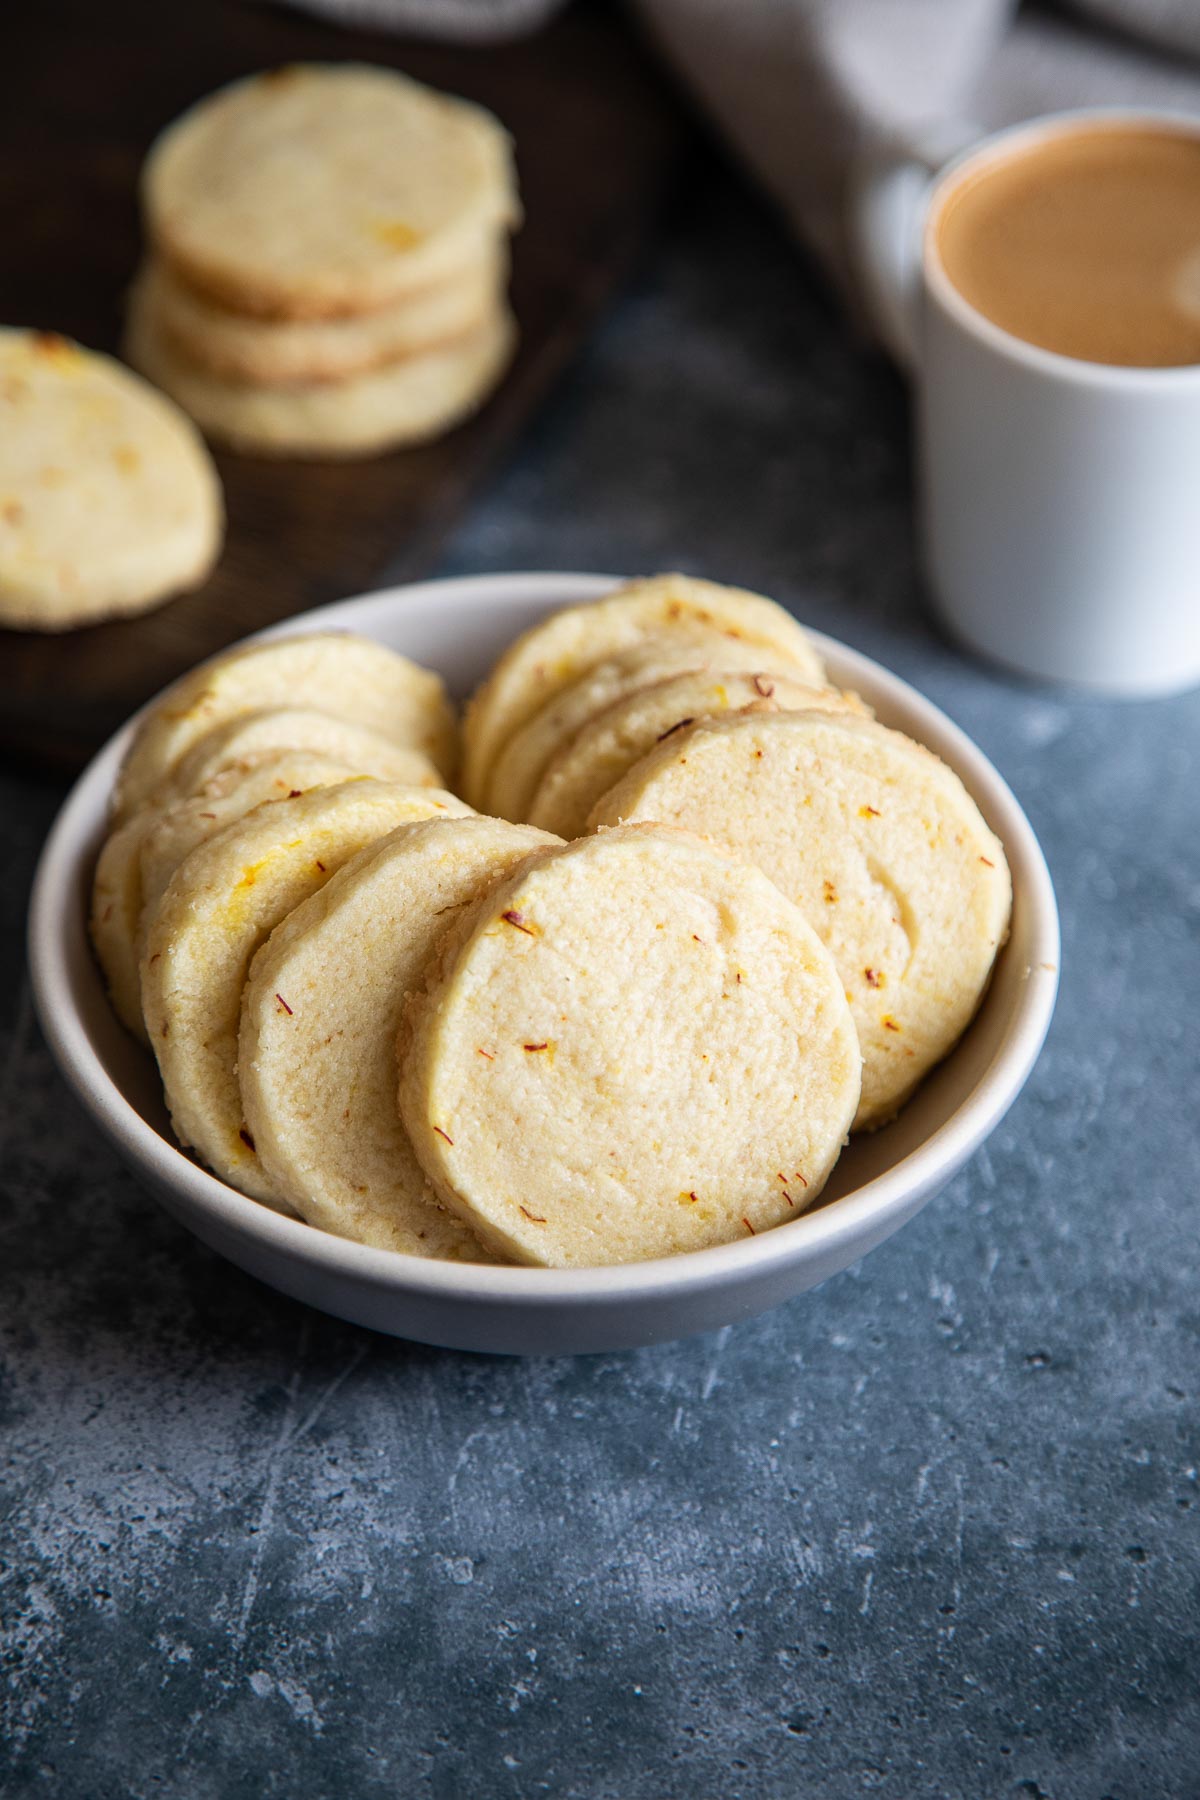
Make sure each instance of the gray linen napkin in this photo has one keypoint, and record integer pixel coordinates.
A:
(804, 89)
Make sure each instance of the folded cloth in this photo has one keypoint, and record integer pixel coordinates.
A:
(804, 89)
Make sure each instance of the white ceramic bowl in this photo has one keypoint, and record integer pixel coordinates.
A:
(881, 1180)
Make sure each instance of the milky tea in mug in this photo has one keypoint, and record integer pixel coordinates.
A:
(1086, 243)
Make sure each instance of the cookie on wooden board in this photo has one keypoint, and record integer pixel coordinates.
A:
(633, 1046)
(109, 501)
(880, 845)
(320, 1016)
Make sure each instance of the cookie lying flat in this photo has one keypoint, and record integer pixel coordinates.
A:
(632, 1047)
(162, 835)
(318, 190)
(607, 747)
(364, 752)
(406, 401)
(523, 759)
(562, 648)
(876, 840)
(240, 347)
(109, 501)
(224, 900)
(333, 672)
(320, 1014)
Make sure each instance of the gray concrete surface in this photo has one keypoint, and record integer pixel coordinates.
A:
(930, 1531)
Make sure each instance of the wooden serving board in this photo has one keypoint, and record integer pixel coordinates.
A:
(599, 141)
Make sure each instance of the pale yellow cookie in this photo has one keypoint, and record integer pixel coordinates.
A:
(364, 752)
(876, 840)
(320, 1014)
(157, 837)
(407, 401)
(608, 745)
(333, 672)
(109, 501)
(565, 646)
(317, 190)
(633, 1046)
(223, 901)
(240, 347)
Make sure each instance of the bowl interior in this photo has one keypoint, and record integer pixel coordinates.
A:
(459, 628)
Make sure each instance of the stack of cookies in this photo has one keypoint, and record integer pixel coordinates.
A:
(328, 261)
(458, 1035)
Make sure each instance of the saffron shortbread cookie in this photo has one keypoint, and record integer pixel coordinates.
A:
(320, 1015)
(320, 190)
(223, 901)
(240, 347)
(109, 501)
(272, 728)
(633, 1046)
(610, 743)
(876, 840)
(563, 648)
(158, 837)
(351, 677)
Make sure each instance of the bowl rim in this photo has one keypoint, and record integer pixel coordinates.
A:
(58, 886)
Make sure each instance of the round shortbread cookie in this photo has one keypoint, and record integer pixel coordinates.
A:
(320, 1016)
(880, 845)
(521, 761)
(562, 648)
(351, 677)
(159, 836)
(633, 1046)
(407, 401)
(109, 501)
(609, 744)
(317, 190)
(223, 901)
(240, 347)
(364, 752)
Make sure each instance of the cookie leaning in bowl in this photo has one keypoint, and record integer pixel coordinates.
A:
(663, 609)
(633, 1046)
(320, 190)
(320, 1016)
(223, 902)
(109, 501)
(272, 728)
(351, 677)
(880, 845)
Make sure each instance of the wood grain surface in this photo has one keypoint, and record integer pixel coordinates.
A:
(87, 86)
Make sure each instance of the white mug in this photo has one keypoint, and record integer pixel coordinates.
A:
(1059, 499)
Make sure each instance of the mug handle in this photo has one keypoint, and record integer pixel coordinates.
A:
(889, 193)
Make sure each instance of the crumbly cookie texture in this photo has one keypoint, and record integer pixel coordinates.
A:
(320, 1016)
(607, 746)
(660, 611)
(632, 1046)
(109, 501)
(879, 844)
(222, 903)
(353, 678)
(320, 190)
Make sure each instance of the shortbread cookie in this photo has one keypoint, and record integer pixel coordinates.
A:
(239, 347)
(632, 1046)
(364, 752)
(521, 761)
(351, 677)
(158, 837)
(224, 900)
(880, 845)
(318, 190)
(109, 501)
(320, 1014)
(565, 646)
(610, 743)
(407, 401)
